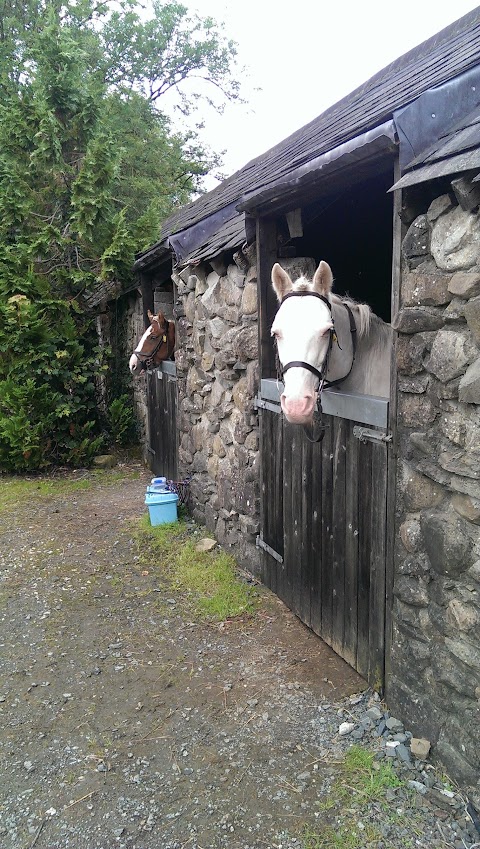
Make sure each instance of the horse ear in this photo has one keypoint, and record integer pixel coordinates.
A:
(151, 316)
(281, 281)
(323, 279)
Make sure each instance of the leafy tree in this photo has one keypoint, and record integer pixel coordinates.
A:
(89, 167)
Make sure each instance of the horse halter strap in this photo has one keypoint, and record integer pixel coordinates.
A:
(320, 373)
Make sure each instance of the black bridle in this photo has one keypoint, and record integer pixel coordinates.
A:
(321, 373)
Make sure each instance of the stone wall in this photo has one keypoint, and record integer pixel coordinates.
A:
(217, 372)
(134, 331)
(434, 679)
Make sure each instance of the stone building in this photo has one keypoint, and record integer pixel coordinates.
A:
(383, 185)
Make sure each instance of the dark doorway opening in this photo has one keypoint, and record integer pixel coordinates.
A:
(352, 229)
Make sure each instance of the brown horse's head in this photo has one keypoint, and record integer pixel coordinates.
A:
(157, 344)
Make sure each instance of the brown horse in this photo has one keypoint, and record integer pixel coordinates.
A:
(157, 344)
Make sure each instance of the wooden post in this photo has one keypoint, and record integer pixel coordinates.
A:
(399, 230)
(267, 302)
(147, 297)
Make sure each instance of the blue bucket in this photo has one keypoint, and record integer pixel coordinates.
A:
(162, 506)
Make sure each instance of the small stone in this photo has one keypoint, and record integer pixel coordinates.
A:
(400, 738)
(420, 748)
(345, 728)
(374, 713)
(394, 724)
(205, 544)
(104, 461)
(418, 786)
(28, 766)
(403, 753)
(358, 733)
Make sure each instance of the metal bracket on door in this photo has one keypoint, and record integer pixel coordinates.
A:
(366, 434)
(262, 404)
(260, 543)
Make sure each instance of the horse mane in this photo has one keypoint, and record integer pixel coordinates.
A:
(364, 314)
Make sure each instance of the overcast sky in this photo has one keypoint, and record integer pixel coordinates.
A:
(305, 55)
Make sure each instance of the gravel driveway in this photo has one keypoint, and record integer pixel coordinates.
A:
(125, 724)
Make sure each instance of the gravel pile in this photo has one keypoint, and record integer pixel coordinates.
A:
(125, 724)
(445, 814)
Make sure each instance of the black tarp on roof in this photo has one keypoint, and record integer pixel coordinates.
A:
(457, 149)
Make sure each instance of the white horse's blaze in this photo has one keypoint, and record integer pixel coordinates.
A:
(134, 363)
(302, 331)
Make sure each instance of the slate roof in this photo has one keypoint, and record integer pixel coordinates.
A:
(442, 57)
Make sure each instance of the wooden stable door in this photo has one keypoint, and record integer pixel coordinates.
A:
(162, 420)
(324, 530)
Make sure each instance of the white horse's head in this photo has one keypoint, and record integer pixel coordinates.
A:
(302, 330)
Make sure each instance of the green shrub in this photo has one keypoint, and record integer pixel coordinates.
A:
(121, 420)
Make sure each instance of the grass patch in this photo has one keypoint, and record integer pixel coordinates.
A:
(342, 837)
(209, 579)
(357, 794)
(15, 489)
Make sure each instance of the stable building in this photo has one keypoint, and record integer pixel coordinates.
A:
(372, 536)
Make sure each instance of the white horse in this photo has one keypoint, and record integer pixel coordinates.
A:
(323, 339)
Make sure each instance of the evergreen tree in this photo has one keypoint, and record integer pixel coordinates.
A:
(89, 167)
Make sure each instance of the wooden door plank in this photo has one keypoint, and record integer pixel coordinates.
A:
(327, 529)
(338, 540)
(306, 560)
(365, 501)
(315, 485)
(173, 433)
(291, 439)
(353, 485)
(271, 441)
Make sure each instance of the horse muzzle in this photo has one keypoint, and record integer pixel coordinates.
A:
(298, 410)
(135, 365)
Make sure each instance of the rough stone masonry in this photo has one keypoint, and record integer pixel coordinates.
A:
(217, 373)
(435, 662)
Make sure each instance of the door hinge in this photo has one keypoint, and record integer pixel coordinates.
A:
(366, 434)
(262, 404)
(260, 543)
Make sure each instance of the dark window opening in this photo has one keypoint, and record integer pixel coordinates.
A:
(352, 229)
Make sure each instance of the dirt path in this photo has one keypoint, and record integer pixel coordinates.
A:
(125, 724)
